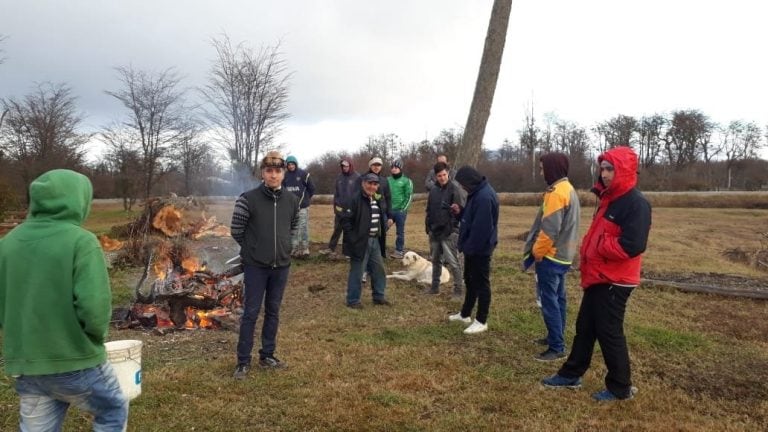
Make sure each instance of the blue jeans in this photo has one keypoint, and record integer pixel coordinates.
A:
(46, 398)
(551, 288)
(261, 284)
(373, 261)
(399, 218)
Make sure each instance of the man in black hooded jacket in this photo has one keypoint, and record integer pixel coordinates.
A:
(478, 235)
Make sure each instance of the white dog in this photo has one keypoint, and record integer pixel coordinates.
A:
(418, 269)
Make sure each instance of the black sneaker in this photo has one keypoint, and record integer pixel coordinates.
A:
(355, 305)
(241, 371)
(271, 363)
(549, 355)
(383, 302)
(431, 291)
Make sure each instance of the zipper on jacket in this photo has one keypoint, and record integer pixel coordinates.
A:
(274, 227)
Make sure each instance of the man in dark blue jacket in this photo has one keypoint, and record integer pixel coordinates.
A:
(297, 181)
(478, 235)
(346, 186)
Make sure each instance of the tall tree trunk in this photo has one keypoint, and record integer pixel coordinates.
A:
(485, 87)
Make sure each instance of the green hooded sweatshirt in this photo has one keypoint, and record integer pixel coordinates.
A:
(55, 299)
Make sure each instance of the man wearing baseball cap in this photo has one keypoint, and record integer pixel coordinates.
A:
(362, 220)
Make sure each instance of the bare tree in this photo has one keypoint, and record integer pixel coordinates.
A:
(190, 154)
(41, 131)
(123, 158)
(739, 141)
(650, 131)
(155, 104)
(688, 137)
(386, 146)
(485, 86)
(247, 94)
(617, 131)
(529, 141)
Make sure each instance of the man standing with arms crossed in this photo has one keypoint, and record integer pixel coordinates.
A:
(262, 223)
(55, 307)
(611, 254)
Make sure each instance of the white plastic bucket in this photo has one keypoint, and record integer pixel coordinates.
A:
(125, 357)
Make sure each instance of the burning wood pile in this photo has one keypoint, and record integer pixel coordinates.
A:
(176, 290)
(175, 293)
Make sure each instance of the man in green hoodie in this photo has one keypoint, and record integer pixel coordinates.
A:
(55, 307)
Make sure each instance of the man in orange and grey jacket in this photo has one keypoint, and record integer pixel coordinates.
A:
(551, 245)
(611, 254)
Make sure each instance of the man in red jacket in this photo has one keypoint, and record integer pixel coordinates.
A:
(610, 269)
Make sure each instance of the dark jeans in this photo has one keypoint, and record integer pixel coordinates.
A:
(477, 278)
(399, 218)
(262, 284)
(336, 233)
(601, 318)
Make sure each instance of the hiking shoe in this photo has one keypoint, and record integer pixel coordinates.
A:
(355, 305)
(457, 317)
(397, 255)
(605, 395)
(549, 355)
(542, 341)
(271, 363)
(241, 371)
(559, 381)
(476, 327)
(383, 302)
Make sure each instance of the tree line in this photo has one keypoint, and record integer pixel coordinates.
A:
(207, 140)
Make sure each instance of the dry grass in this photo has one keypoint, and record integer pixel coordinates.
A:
(700, 361)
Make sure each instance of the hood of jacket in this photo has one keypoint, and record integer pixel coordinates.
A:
(555, 167)
(351, 166)
(60, 195)
(469, 178)
(624, 161)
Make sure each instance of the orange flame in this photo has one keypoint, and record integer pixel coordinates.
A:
(190, 265)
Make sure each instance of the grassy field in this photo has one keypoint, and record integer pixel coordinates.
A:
(700, 361)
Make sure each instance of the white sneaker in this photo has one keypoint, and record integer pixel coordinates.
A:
(476, 327)
(457, 317)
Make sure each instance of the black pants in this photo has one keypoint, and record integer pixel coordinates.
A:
(261, 285)
(477, 279)
(601, 318)
(336, 233)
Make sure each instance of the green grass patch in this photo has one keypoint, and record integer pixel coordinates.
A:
(667, 339)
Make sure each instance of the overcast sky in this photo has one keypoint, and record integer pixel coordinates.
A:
(408, 67)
